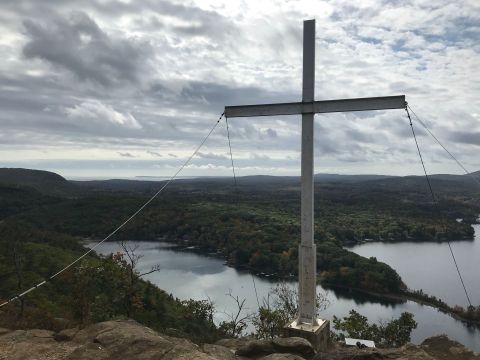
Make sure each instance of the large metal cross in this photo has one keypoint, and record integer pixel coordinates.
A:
(308, 107)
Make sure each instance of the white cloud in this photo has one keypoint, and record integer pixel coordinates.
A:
(149, 78)
(99, 113)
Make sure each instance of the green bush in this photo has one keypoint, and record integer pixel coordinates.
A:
(394, 333)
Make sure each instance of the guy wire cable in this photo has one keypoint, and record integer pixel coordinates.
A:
(122, 224)
(236, 193)
(436, 203)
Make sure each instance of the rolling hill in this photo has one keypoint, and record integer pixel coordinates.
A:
(45, 182)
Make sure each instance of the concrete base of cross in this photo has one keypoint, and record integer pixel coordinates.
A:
(318, 335)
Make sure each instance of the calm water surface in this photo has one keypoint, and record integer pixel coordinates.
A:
(429, 266)
(190, 275)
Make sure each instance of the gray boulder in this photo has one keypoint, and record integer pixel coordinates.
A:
(234, 344)
(66, 335)
(218, 351)
(282, 357)
(256, 348)
(294, 345)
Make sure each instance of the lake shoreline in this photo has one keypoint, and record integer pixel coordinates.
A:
(401, 297)
(190, 273)
(410, 296)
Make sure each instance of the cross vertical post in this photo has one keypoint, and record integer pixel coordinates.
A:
(307, 249)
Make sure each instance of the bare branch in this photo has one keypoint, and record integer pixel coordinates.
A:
(238, 321)
(154, 269)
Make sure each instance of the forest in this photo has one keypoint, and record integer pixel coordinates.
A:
(256, 224)
(96, 289)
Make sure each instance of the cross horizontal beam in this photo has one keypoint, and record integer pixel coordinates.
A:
(324, 106)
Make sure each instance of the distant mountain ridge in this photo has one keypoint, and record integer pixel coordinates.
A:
(351, 178)
(43, 181)
(51, 183)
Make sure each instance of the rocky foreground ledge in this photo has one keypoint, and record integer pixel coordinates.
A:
(126, 339)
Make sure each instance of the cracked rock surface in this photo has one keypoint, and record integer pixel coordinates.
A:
(127, 339)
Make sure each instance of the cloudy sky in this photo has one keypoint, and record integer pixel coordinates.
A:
(104, 88)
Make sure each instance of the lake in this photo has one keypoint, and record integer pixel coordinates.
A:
(187, 275)
(429, 266)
